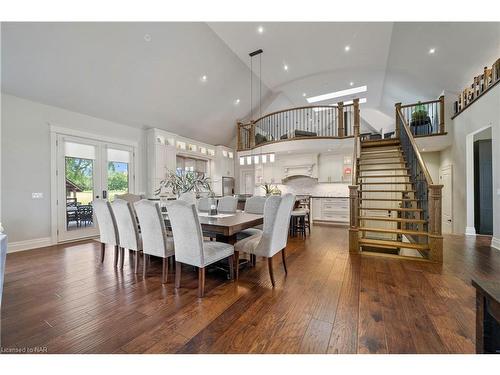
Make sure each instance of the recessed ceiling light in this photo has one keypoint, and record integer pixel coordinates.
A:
(351, 84)
(432, 51)
(337, 94)
(260, 29)
(285, 67)
(347, 48)
(203, 78)
(237, 101)
(147, 37)
(304, 94)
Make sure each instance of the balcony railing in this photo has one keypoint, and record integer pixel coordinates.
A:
(480, 85)
(424, 118)
(333, 121)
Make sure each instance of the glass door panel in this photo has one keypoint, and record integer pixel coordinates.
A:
(118, 173)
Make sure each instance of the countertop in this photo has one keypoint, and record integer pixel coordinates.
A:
(327, 196)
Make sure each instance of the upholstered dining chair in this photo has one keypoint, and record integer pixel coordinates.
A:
(155, 241)
(253, 205)
(273, 239)
(128, 230)
(108, 231)
(189, 245)
(188, 197)
(227, 204)
(204, 204)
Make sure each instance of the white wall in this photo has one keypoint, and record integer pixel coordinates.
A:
(432, 161)
(25, 149)
(483, 113)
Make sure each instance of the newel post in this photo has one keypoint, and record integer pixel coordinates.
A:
(356, 118)
(435, 234)
(441, 114)
(238, 130)
(252, 134)
(340, 122)
(397, 110)
(353, 218)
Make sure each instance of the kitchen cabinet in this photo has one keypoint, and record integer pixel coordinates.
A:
(330, 168)
(331, 209)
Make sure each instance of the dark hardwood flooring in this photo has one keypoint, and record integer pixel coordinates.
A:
(64, 300)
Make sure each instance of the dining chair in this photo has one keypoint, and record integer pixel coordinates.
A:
(253, 205)
(273, 239)
(155, 241)
(189, 245)
(128, 230)
(227, 204)
(188, 197)
(108, 230)
(204, 204)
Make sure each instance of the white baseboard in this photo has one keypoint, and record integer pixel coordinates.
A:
(495, 243)
(13, 247)
(470, 231)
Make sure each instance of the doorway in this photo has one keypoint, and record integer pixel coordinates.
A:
(247, 182)
(446, 179)
(483, 183)
(86, 170)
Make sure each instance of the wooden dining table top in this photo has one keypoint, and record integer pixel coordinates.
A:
(228, 225)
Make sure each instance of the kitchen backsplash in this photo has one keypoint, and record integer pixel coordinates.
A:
(306, 185)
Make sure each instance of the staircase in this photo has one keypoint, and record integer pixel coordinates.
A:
(395, 208)
(389, 217)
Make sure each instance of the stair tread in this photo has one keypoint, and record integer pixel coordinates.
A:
(387, 191)
(387, 243)
(387, 183)
(385, 176)
(395, 231)
(384, 169)
(380, 163)
(392, 209)
(389, 199)
(395, 219)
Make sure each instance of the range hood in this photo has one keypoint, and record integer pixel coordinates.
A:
(305, 170)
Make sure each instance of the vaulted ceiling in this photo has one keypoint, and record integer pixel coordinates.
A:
(150, 74)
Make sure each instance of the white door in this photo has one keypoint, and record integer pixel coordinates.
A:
(247, 181)
(446, 179)
(86, 170)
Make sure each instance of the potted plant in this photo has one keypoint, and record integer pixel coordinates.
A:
(178, 183)
(271, 189)
(420, 120)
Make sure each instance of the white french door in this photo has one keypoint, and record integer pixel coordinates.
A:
(88, 169)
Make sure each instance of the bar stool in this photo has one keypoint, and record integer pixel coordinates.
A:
(298, 222)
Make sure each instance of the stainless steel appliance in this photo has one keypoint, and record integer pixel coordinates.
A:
(227, 186)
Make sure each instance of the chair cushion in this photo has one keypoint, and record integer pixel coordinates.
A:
(214, 251)
(247, 233)
(249, 244)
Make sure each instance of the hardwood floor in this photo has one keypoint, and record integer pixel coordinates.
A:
(64, 300)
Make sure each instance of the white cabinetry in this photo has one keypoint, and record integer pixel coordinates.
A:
(331, 209)
(330, 168)
(224, 167)
(160, 158)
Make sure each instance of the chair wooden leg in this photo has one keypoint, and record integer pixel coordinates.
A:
(270, 266)
(201, 281)
(230, 261)
(103, 250)
(122, 254)
(164, 274)
(136, 267)
(145, 266)
(237, 264)
(116, 256)
(177, 275)
(283, 257)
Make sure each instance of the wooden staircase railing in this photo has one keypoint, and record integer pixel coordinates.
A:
(428, 194)
(321, 121)
(354, 187)
(424, 118)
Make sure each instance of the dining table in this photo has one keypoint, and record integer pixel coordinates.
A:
(225, 226)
